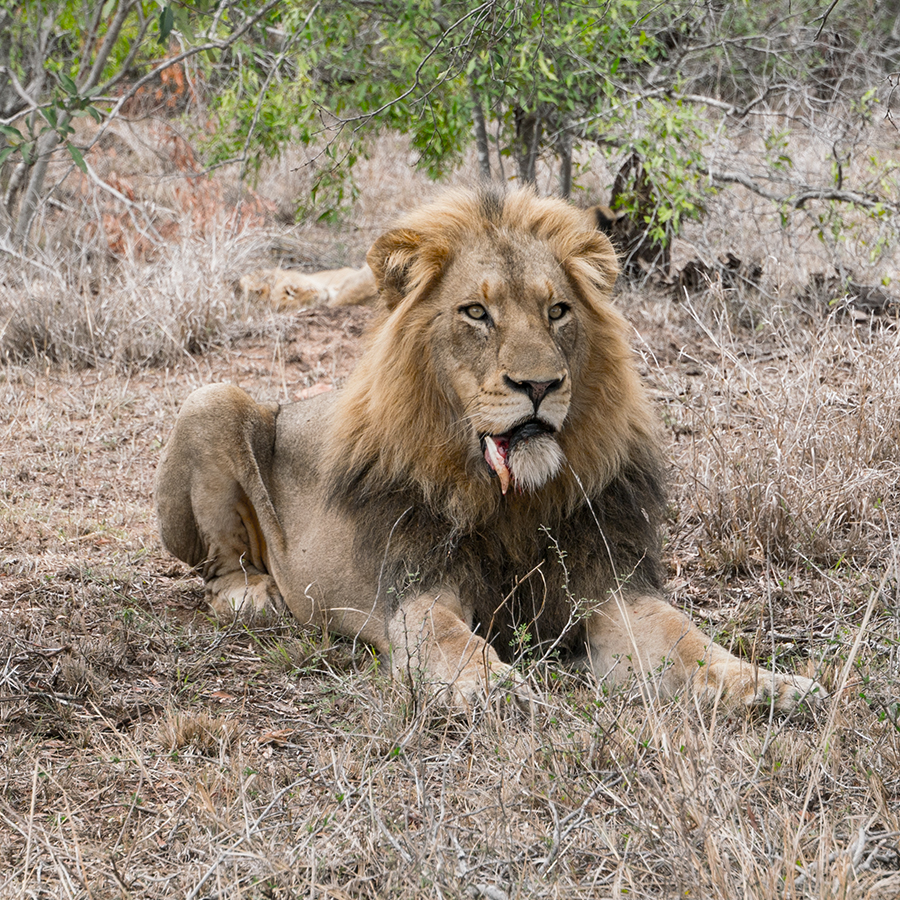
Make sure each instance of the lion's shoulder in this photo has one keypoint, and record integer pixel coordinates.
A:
(302, 425)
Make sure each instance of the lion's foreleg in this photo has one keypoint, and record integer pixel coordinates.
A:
(646, 637)
(430, 640)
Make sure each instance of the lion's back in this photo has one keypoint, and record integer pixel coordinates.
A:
(300, 437)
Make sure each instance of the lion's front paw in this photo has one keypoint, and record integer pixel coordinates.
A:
(503, 688)
(247, 598)
(787, 692)
(758, 689)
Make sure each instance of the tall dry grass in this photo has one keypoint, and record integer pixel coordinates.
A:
(223, 775)
(74, 305)
(796, 439)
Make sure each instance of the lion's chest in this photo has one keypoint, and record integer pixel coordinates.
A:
(528, 577)
(519, 588)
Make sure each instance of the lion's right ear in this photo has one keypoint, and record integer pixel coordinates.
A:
(390, 259)
(403, 260)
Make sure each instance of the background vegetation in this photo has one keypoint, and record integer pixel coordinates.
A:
(663, 92)
(153, 153)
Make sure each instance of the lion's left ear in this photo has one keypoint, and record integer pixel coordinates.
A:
(403, 260)
(591, 260)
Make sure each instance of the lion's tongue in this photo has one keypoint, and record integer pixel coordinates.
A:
(495, 453)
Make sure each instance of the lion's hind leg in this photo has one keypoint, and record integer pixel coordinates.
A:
(246, 597)
(214, 510)
(237, 579)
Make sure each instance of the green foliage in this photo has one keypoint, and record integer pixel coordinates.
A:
(670, 145)
(62, 51)
(546, 77)
(68, 58)
(55, 116)
(631, 79)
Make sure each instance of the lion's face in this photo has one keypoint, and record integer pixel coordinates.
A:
(496, 353)
(507, 342)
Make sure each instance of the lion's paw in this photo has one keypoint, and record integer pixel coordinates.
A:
(785, 693)
(247, 598)
(505, 689)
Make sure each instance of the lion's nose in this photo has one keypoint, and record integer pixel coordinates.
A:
(536, 390)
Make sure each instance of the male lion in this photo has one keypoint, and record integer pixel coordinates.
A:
(489, 475)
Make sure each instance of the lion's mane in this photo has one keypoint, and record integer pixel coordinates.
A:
(399, 460)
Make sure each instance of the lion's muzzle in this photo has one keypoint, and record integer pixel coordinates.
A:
(526, 456)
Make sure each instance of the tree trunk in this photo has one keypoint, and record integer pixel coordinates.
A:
(482, 148)
(11, 191)
(564, 148)
(46, 145)
(528, 141)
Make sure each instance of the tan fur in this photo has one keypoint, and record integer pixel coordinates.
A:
(603, 218)
(374, 512)
(287, 289)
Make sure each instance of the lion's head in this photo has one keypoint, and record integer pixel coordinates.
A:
(498, 370)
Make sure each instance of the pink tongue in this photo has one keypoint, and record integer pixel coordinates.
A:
(495, 450)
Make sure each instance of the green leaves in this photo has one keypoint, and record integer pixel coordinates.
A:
(417, 66)
(18, 143)
(77, 157)
(68, 84)
(166, 24)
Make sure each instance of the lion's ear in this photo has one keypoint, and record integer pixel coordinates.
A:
(390, 259)
(591, 260)
(404, 260)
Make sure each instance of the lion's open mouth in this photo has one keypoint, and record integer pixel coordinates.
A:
(500, 448)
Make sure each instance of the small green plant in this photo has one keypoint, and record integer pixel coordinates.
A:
(521, 639)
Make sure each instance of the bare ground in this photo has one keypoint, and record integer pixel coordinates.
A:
(148, 753)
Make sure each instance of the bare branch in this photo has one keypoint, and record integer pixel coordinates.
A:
(130, 205)
(132, 53)
(21, 91)
(802, 193)
(738, 112)
(827, 13)
(89, 39)
(109, 41)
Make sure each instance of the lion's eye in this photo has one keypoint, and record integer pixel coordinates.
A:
(476, 311)
(557, 311)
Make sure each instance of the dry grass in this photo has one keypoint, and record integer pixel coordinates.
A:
(794, 436)
(147, 753)
(132, 315)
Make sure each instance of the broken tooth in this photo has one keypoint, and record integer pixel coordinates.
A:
(492, 454)
(497, 461)
(504, 476)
